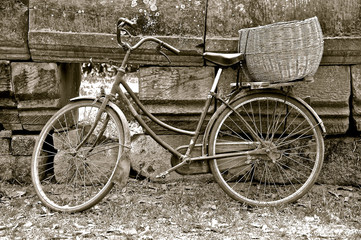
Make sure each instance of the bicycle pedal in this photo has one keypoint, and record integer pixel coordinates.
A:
(162, 175)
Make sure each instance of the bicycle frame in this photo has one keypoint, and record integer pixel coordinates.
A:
(194, 134)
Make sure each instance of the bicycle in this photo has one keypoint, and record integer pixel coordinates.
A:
(264, 146)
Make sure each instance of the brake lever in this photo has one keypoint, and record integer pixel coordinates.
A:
(159, 49)
(126, 31)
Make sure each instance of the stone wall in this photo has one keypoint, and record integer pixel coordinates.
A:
(40, 57)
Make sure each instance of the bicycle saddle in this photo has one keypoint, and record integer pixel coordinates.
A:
(223, 59)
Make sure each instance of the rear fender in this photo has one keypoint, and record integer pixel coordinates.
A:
(245, 93)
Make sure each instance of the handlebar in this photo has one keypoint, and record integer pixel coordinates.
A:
(123, 22)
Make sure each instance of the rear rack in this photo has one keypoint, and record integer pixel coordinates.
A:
(263, 85)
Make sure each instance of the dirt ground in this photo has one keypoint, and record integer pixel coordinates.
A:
(195, 208)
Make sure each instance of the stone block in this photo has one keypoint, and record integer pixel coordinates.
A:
(35, 80)
(175, 95)
(172, 84)
(226, 17)
(101, 165)
(39, 90)
(149, 159)
(5, 140)
(339, 20)
(7, 99)
(22, 169)
(5, 78)
(77, 31)
(228, 77)
(4, 146)
(341, 50)
(6, 170)
(5, 134)
(23, 145)
(329, 95)
(14, 26)
(342, 164)
(183, 121)
(356, 95)
(34, 120)
(10, 120)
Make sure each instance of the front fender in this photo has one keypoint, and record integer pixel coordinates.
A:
(118, 111)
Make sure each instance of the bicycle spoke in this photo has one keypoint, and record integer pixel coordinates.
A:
(70, 180)
(293, 143)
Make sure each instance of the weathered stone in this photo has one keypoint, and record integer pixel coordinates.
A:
(149, 159)
(39, 104)
(356, 95)
(23, 145)
(341, 31)
(34, 120)
(39, 89)
(329, 95)
(14, 30)
(176, 95)
(182, 121)
(5, 78)
(4, 146)
(5, 134)
(78, 31)
(159, 84)
(7, 99)
(96, 168)
(341, 50)
(6, 170)
(42, 81)
(228, 77)
(22, 169)
(226, 17)
(342, 164)
(10, 120)
(35, 80)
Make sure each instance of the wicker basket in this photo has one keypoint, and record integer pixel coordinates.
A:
(282, 52)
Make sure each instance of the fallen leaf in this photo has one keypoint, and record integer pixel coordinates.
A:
(3, 227)
(28, 224)
(214, 223)
(16, 194)
(256, 225)
(334, 194)
(78, 225)
(131, 231)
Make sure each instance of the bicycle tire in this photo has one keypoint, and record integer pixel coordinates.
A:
(70, 180)
(295, 149)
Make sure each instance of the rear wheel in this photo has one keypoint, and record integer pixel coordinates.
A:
(71, 179)
(292, 145)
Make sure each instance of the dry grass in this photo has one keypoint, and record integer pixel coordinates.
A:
(195, 208)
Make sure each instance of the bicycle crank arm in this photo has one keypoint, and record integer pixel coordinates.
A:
(218, 156)
(165, 173)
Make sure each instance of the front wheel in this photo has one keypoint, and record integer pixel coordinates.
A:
(292, 145)
(70, 178)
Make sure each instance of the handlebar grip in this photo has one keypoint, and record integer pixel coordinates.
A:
(126, 21)
(170, 48)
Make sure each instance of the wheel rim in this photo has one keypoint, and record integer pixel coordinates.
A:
(70, 179)
(292, 161)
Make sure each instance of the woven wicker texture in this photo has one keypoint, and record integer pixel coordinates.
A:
(282, 52)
